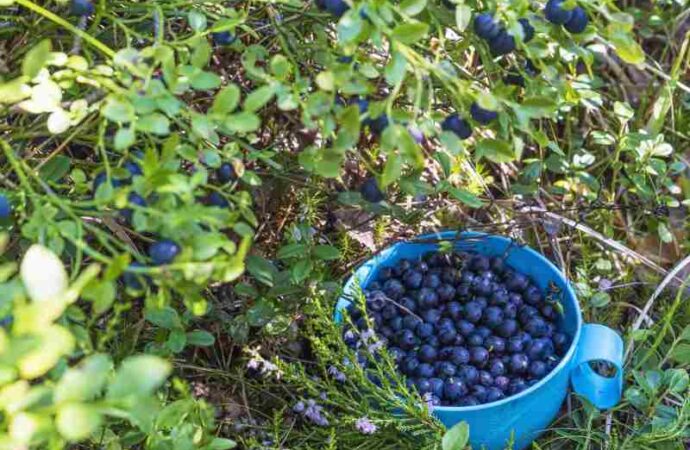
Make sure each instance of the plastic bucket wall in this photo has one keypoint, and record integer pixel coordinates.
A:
(524, 416)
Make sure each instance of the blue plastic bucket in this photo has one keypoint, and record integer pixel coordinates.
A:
(523, 417)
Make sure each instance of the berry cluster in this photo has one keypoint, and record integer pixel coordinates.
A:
(500, 41)
(465, 329)
(574, 20)
(163, 251)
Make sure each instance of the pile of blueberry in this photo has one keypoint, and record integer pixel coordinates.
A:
(464, 329)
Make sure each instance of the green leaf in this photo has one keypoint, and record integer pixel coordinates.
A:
(197, 20)
(226, 99)
(200, 338)
(85, 381)
(221, 444)
(456, 438)
(139, 375)
(55, 168)
(281, 67)
(466, 197)
(626, 47)
(409, 33)
(124, 138)
(261, 313)
(118, 109)
(204, 81)
(395, 69)
(14, 91)
(326, 252)
(102, 294)
(76, 421)
(291, 250)
(349, 27)
(165, 317)
(678, 380)
(538, 107)
(463, 15)
(155, 123)
(495, 150)
(681, 353)
(412, 7)
(258, 98)
(36, 58)
(177, 339)
(301, 270)
(392, 170)
(261, 269)
(243, 122)
(600, 299)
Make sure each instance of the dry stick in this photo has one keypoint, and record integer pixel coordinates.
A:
(600, 237)
(648, 306)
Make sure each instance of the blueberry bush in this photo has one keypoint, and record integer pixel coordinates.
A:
(184, 186)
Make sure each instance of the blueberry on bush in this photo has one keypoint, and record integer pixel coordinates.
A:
(226, 173)
(486, 27)
(164, 252)
(555, 13)
(223, 38)
(502, 44)
(5, 207)
(481, 115)
(455, 124)
(81, 8)
(527, 29)
(371, 192)
(335, 7)
(578, 22)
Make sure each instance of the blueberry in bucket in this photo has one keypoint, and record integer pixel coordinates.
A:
(465, 329)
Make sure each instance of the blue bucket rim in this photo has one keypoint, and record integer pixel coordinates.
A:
(578, 313)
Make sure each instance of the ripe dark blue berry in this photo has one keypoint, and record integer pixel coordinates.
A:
(460, 356)
(483, 116)
(468, 374)
(578, 21)
(454, 388)
(393, 288)
(424, 330)
(560, 342)
(537, 369)
(409, 365)
(507, 328)
(427, 298)
(473, 312)
(502, 44)
(447, 369)
(495, 344)
(492, 316)
(427, 353)
(133, 168)
(536, 327)
(81, 8)
(406, 339)
(425, 370)
(164, 252)
(379, 124)
(493, 394)
(412, 279)
(479, 356)
(371, 192)
(226, 173)
(437, 385)
(519, 363)
(485, 26)
(497, 367)
(527, 29)
(216, 199)
(455, 124)
(555, 13)
(485, 378)
(423, 385)
(479, 392)
(335, 7)
(5, 207)
(502, 382)
(465, 328)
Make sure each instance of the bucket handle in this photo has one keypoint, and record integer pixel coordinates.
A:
(598, 343)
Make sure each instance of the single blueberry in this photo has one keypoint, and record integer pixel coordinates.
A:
(560, 342)
(5, 207)
(436, 386)
(379, 124)
(548, 311)
(406, 339)
(499, 297)
(335, 7)
(433, 341)
(454, 388)
(467, 277)
(515, 298)
(473, 312)
(479, 356)
(371, 192)
(427, 298)
(82, 8)
(510, 311)
(502, 44)
(519, 363)
(464, 327)
(226, 173)
(427, 353)
(410, 322)
(468, 374)
(424, 330)
(475, 339)
(445, 292)
(133, 280)
(483, 331)
(485, 26)
(447, 369)
(408, 304)
(578, 22)
(482, 286)
(425, 370)
(455, 124)
(164, 252)
(376, 300)
(460, 356)
(410, 365)
(527, 29)
(493, 394)
(537, 327)
(396, 323)
(431, 280)
(216, 199)
(454, 310)
(447, 335)
(397, 354)
(516, 282)
(223, 38)
(540, 348)
(497, 367)
(345, 59)
(527, 313)
(483, 116)
(463, 290)
(537, 369)
(393, 288)
(493, 316)
(469, 400)
(516, 386)
(507, 328)
(412, 279)
(389, 311)
(555, 13)
(423, 386)
(479, 392)
(502, 382)
(133, 168)
(485, 378)
(532, 295)
(495, 344)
